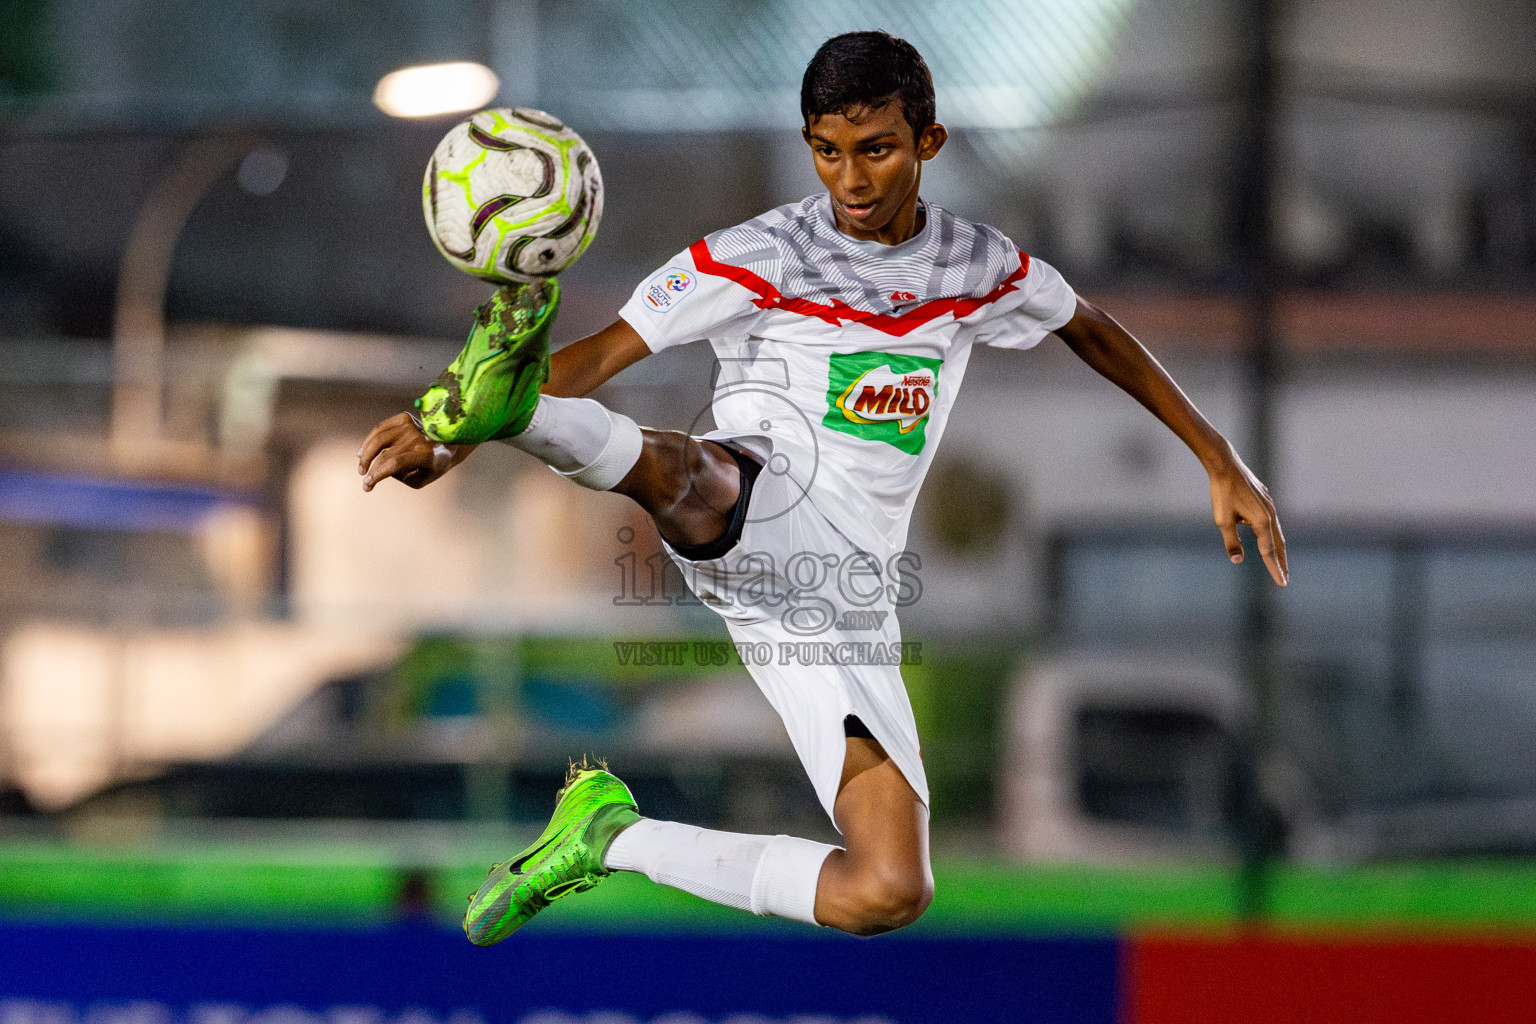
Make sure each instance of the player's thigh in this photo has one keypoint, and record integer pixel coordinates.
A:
(681, 477)
(883, 820)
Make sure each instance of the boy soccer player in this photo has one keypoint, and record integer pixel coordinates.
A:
(843, 325)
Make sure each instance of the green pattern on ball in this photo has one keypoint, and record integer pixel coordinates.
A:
(537, 235)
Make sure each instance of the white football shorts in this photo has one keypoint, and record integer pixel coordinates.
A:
(813, 619)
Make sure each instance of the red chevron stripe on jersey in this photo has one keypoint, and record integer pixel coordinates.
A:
(769, 297)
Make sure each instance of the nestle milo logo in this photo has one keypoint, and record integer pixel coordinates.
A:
(882, 396)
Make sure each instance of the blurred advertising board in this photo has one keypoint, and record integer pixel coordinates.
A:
(76, 974)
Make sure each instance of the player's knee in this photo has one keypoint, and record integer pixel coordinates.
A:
(891, 897)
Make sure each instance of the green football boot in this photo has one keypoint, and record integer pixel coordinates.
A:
(492, 387)
(590, 810)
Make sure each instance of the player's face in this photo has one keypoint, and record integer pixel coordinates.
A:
(871, 166)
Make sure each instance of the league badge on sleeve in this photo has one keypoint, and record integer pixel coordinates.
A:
(667, 289)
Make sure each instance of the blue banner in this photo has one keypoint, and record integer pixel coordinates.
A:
(78, 974)
(107, 503)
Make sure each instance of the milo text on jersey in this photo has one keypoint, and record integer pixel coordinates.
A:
(839, 359)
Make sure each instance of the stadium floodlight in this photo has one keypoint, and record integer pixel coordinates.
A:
(433, 89)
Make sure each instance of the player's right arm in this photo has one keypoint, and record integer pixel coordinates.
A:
(398, 448)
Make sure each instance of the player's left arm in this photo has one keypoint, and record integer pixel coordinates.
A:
(585, 365)
(1237, 496)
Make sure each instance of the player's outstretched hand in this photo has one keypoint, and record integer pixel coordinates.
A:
(1237, 496)
(397, 448)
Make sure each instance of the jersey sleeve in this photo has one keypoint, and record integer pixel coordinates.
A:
(680, 303)
(1041, 302)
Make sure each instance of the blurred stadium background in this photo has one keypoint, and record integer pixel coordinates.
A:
(260, 732)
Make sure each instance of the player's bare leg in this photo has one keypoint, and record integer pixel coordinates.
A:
(688, 486)
(881, 880)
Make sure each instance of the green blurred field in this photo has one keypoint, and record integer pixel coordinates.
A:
(353, 882)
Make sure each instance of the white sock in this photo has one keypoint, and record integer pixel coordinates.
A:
(582, 440)
(768, 875)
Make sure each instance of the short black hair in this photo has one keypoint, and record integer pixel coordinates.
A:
(868, 70)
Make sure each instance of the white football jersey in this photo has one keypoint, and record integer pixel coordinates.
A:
(840, 359)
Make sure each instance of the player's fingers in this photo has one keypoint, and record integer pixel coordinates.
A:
(380, 437)
(1274, 558)
(1227, 519)
(1264, 535)
(1285, 565)
(377, 440)
(1259, 513)
(1228, 525)
(408, 452)
(383, 467)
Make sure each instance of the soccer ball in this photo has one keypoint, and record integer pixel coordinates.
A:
(512, 196)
